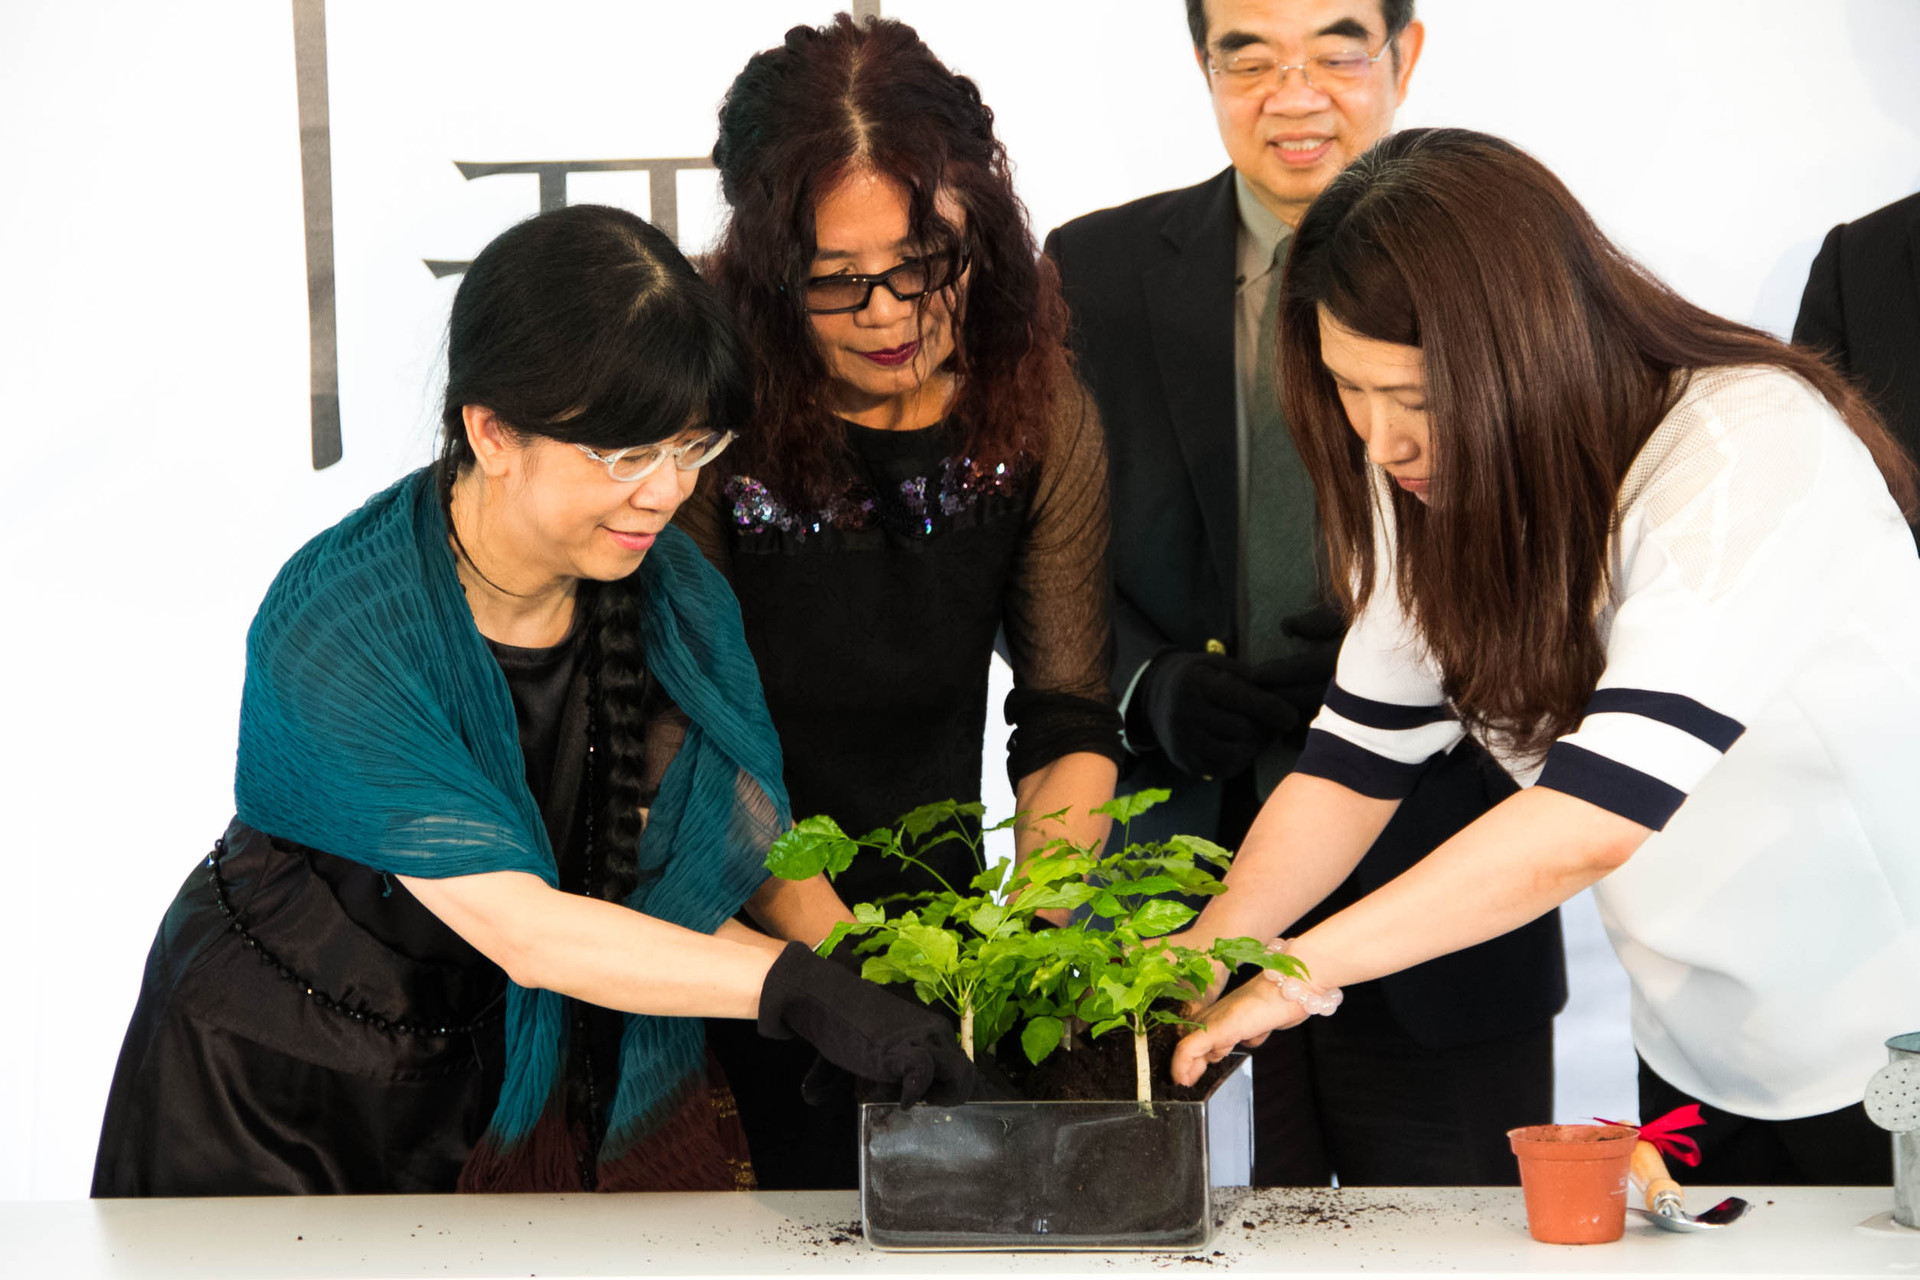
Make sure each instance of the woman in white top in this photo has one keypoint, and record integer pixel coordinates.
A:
(1657, 562)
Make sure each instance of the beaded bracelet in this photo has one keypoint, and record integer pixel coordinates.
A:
(1320, 1000)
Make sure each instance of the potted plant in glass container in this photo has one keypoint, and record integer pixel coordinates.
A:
(1069, 1166)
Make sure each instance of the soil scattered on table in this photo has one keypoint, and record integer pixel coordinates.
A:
(1296, 1207)
(815, 1236)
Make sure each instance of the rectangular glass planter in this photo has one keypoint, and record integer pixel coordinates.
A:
(1054, 1175)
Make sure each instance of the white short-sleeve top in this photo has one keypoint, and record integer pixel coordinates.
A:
(1760, 710)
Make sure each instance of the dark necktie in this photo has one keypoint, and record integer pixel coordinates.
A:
(1281, 535)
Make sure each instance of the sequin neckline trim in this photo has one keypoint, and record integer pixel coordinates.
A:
(911, 507)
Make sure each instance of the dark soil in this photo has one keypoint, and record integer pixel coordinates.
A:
(1102, 1070)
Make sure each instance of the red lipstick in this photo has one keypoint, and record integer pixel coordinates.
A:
(894, 357)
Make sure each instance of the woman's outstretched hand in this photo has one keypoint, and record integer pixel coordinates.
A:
(864, 1029)
(1247, 1017)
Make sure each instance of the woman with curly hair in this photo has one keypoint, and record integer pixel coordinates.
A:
(924, 473)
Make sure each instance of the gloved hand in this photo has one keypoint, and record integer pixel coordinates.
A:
(1302, 678)
(863, 1029)
(1207, 712)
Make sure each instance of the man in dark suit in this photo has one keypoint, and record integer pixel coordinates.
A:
(1862, 307)
(1225, 644)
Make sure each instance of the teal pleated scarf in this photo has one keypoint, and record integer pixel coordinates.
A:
(376, 725)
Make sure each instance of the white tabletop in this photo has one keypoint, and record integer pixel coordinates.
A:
(1792, 1231)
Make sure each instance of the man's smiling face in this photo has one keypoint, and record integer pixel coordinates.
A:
(1289, 137)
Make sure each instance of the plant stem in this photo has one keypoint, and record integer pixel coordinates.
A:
(1142, 1079)
(909, 858)
(966, 1031)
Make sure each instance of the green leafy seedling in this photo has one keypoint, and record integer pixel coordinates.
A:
(980, 953)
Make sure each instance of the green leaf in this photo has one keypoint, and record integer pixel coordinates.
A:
(1146, 886)
(1106, 906)
(1199, 847)
(1160, 916)
(993, 879)
(988, 918)
(1128, 807)
(1234, 952)
(1052, 868)
(834, 937)
(1061, 897)
(1123, 996)
(928, 816)
(814, 845)
(1041, 1037)
(938, 948)
(1292, 966)
(1099, 1029)
(944, 837)
(869, 913)
(1002, 1024)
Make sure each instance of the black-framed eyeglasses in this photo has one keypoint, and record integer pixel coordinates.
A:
(914, 278)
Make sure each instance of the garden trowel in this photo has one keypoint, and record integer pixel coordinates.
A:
(1665, 1199)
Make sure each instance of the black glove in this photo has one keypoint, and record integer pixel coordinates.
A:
(1302, 679)
(862, 1029)
(1207, 712)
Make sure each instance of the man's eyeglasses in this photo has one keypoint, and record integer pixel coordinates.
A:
(642, 460)
(914, 278)
(1249, 72)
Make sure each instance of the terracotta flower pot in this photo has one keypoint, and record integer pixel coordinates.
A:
(1574, 1177)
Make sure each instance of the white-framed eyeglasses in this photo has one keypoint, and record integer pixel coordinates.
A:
(1249, 71)
(642, 460)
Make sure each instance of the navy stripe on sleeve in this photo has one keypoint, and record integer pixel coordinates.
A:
(1613, 786)
(1676, 709)
(1332, 757)
(1384, 715)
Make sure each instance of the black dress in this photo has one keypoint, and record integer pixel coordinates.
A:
(873, 623)
(306, 1026)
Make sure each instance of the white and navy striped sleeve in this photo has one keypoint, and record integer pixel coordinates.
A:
(1384, 714)
(1726, 583)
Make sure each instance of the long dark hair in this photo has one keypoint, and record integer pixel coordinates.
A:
(848, 97)
(586, 325)
(1550, 358)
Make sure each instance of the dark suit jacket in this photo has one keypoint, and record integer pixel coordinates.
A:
(1151, 286)
(1862, 306)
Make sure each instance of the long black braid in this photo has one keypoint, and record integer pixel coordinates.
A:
(616, 656)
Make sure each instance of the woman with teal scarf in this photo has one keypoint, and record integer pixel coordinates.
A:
(505, 776)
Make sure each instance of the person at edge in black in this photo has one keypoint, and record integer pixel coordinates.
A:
(498, 625)
(1861, 307)
(925, 472)
(1225, 640)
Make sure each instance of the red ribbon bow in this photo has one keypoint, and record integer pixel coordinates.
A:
(1665, 1134)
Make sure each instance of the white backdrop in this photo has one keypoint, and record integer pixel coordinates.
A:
(153, 322)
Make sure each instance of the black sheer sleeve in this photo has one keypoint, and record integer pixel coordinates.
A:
(1059, 640)
(702, 517)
